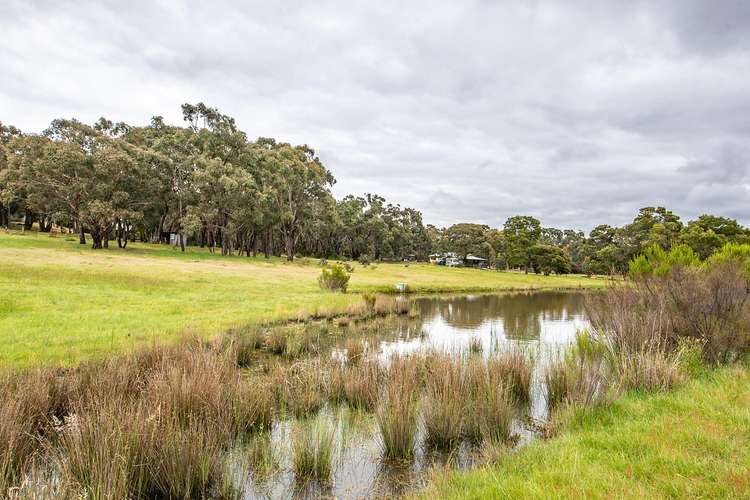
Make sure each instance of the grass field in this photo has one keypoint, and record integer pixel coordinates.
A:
(62, 302)
(691, 443)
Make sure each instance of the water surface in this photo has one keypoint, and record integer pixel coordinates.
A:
(539, 322)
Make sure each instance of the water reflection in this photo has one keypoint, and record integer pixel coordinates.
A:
(452, 323)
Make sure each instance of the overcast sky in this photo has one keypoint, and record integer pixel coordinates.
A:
(577, 113)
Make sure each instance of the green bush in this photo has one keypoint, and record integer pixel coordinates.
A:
(334, 278)
(656, 261)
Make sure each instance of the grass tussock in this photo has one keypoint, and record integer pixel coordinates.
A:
(301, 388)
(515, 369)
(397, 410)
(489, 404)
(312, 450)
(443, 407)
(362, 384)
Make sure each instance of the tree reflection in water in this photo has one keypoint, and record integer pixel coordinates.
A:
(450, 323)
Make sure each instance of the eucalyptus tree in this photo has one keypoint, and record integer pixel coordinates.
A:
(297, 182)
(521, 232)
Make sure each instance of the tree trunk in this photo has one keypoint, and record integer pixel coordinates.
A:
(267, 244)
(96, 239)
(289, 244)
(81, 234)
(28, 220)
(156, 238)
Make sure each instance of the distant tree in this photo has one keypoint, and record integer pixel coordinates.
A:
(465, 239)
(552, 236)
(521, 232)
(547, 259)
(709, 233)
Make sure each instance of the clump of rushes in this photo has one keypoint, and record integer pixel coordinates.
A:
(475, 346)
(488, 397)
(29, 402)
(98, 457)
(17, 444)
(362, 385)
(396, 414)
(276, 340)
(252, 407)
(301, 387)
(355, 350)
(443, 406)
(312, 451)
(260, 454)
(185, 461)
(200, 388)
(647, 370)
(494, 413)
(246, 342)
(515, 369)
(303, 339)
(557, 384)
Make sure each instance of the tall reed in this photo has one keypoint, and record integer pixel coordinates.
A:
(515, 369)
(396, 414)
(312, 450)
(443, 408)
(489, 414)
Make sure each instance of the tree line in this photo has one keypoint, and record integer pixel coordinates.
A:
(522, 242)
(204, 182)
(207, 184)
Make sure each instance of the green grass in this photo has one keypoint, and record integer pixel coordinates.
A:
(693, 442)
(62, 302)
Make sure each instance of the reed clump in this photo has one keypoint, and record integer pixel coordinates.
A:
(443, 408)
(301, 388)
(515, 369)
(396, 414)
(312, 451)
(489, 415)
(362, 384)
(355, 350)
(276, 341)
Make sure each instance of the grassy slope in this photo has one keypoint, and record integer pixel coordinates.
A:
(691, 443)
(62, 302)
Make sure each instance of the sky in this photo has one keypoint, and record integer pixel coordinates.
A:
(575, 112)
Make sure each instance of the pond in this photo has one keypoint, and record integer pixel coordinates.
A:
(538, 323)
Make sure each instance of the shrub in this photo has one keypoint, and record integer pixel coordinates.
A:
(708, 304)
(365, 259)
(334, 278)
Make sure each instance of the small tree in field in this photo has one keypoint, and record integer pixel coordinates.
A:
(334, 278)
